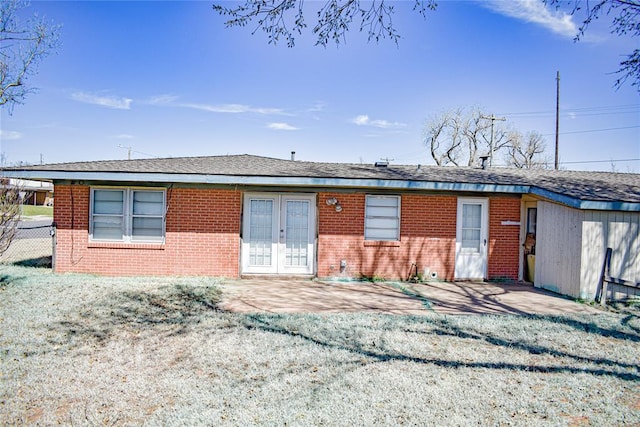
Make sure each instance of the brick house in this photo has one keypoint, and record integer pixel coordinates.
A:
(245, 215)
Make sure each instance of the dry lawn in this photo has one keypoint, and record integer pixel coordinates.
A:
(84, 350)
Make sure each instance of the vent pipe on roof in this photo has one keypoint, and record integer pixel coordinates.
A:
(293, 156)
(483, 159)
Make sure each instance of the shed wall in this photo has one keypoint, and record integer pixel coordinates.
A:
(619, 231)
(558, 248)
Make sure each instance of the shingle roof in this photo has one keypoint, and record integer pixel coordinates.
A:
(595, 186)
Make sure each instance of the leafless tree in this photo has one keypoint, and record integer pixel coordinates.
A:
(459, 137)
(625, 22)
(9, 213)
(23, 44)
(283, 19)
(526, 151)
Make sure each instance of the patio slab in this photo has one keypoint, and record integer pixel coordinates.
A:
(315, 296)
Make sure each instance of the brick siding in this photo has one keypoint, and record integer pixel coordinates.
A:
(504, 240)
(427, 238)
(202, 236)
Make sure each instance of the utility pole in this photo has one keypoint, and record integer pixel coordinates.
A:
(128, 150)
(493, 118)
(557, 116)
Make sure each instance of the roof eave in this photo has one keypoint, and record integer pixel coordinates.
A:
(157, 177)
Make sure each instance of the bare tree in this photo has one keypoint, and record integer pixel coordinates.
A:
(23, 44)
(283, 19)
(9, 213)
(460, 137)
(625, 22)
(526, 151)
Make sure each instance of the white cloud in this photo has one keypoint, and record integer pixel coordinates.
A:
(10, 135)
(364, 120)
(164, 99)
(123, 136)
(232, 108)
(317, 107)
(103, 100)
(536, 12)
(281, 126)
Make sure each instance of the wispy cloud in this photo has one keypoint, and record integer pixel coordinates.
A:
(317, 107)
(536, 12)
(164, 99)
(125, 136)
(231, 108)
(10, 135)
(364, 120)
(108, 101)
(281, 126)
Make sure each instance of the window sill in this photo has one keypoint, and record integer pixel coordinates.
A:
(127, 245)
(382, 243)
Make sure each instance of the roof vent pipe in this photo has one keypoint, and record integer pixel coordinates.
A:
(293, 156)
(483, 159)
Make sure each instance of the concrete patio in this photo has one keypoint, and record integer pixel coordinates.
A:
(315, 296)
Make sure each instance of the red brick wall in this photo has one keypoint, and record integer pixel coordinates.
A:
(202, 236)
(203, 227)
(504, 240)
(427, 237)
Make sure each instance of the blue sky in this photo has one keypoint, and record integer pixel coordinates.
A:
(168, 79)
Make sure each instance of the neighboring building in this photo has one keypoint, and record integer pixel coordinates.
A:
(38, 193)
(246, 215)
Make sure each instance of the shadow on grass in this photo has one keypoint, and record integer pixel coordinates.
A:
(176, 308)
(41, 262)
(171, 310)
(378, 351)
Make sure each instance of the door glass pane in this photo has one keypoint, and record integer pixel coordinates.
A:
(297, 233)
(471, 222)
(260, 232)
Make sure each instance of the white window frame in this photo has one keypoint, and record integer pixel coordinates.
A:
(369, 232)
(127, 215)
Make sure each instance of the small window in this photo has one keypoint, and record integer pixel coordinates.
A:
(382, 218)
(127, 215)
(532, 220)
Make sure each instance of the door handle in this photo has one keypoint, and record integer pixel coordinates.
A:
(485, 242)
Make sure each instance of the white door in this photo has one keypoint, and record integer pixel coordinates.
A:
(278, 234)
(471, 239)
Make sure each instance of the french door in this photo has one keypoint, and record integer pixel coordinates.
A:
(471, 238)
(278, 235)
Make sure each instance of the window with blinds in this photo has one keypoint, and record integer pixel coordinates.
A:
(127, 215)
(382, 218)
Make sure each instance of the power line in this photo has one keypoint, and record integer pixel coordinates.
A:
(599, 161)
(593, 130)
(613, 109)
